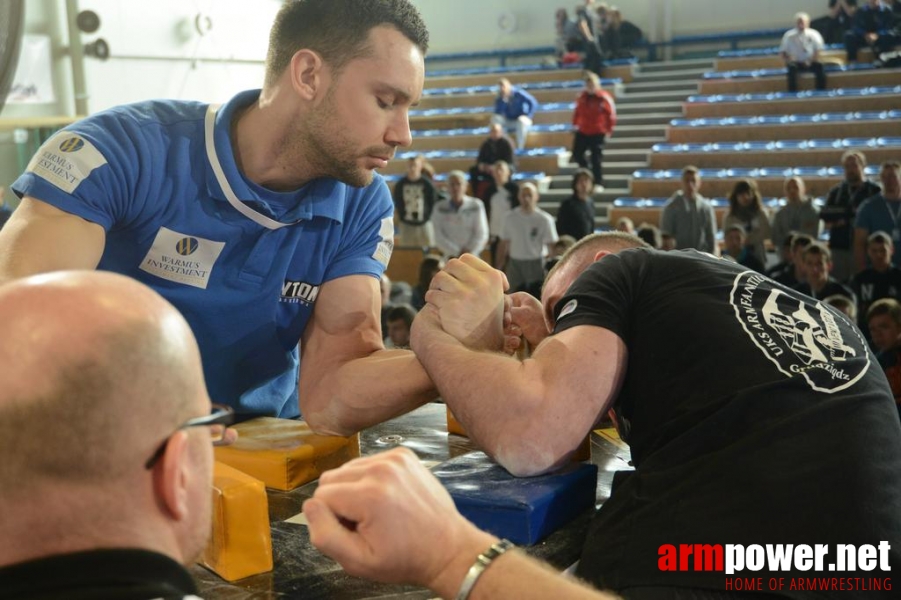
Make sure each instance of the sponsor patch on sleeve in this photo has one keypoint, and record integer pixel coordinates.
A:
(65, 160)
(568, 309)
(386, 244)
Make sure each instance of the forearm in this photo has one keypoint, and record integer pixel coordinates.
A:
(364, 391)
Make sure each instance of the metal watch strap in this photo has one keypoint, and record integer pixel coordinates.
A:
(479, 566)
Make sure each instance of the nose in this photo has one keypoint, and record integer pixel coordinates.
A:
(398, 133)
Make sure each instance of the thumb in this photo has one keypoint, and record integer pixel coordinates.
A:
(330, 536)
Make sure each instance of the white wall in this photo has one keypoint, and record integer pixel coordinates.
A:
(157, 53)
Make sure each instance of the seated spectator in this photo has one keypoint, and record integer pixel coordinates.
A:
(460, 222)
(430, 266)
(650, 235)
(503, 197)
(735, 246)
(746, 210)
(619, 36)
(414, 199)
(795, 273)
(884, 322)
(594, 120)
(843, 304)
(817, 266)
(5, 211)
(575, 217)
(800, 49)
(526, 240)
(688, 216)
(838, 20)
(497, 147)
(840, 211)
(873, 26)
(400, 319)
(625, 225)
(558, 249)
(567, 38)
(785, 259)
(881, 279)
(105, 432)
(799, 214)
(881, 212)
(514, 110)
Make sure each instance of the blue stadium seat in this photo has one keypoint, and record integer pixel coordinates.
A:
(858, 143)
(628, 201)
(810, 171)
(791, 144)
(824, 144)
(742, 172)
(775, 172)
(712, 173)
(889, 141)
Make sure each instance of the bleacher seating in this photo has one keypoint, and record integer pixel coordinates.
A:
(809, 101)
(774, 82)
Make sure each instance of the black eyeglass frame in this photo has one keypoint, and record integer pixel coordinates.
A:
(220, 415)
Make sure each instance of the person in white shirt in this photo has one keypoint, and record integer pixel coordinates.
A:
(800, 49)
(528, 237)
(460, 222)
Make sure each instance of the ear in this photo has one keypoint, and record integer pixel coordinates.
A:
(601, 254)
(307, 70)
(172, 476)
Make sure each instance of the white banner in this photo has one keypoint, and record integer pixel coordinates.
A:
(33, 83)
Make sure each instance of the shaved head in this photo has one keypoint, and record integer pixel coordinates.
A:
(99, 371)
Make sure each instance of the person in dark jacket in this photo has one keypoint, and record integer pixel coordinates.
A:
(576, 214)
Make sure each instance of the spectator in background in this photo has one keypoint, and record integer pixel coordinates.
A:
(884, 323)
(785, 258)
(619, 36)
(819, 284)
(845, 305)
(650, 234)
(667, 241)
(385, 301)
(459, 221)
(575, 217)
(834, 25)
(840, 210)
(414, 199)
(497, 147)
(625, 224)
(800, 49)
(799, 214)
(688, 216)
(881, 212)
(593, 119)
(400, 319)
(428, 268)
(567, 34)
(746, 210)
(795, 273)
(514, 109)
(880, 280)
(5, 211)
(503, 197)
(558, 249)
(527, 238)
(589, 29)
(735, 247)
(873, 26)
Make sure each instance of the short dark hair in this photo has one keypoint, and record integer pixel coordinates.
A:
(337, 30)
(582, 173)
(885, 306)
(819, 249)
(399, 312)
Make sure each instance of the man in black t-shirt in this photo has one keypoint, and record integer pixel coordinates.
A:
(755, 414)
(880, 280)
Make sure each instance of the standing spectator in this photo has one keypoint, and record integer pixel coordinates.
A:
(799, 214)
(5, 211)
(834, 25)
(589, 29)
(689, 217)
(414, 199)
(735, 247)
(881, 212)
(514, 109)
(503, 197)
(400, 319)
(746, 210)
(594, 120)
(460, 222)
(528, 237)
(567, 34)
(819, 284)
(880, 280)
(873, 26)
(497, 147)
(575, 217)
(800, 50)
(840, 210)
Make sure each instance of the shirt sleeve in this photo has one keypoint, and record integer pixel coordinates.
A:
(368, 238)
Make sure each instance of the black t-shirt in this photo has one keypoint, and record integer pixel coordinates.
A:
(755, 415)
(870, 285)
(414, 200)
(575, 217)
(832, 288)
(842, 205)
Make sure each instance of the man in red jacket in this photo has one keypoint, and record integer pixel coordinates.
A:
(594, 119)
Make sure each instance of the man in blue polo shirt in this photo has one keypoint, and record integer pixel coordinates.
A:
(249, 215)
(514, 109)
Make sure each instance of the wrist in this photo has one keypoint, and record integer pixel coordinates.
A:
(471, 544)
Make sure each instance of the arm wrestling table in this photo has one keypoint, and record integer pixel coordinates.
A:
(301, 571)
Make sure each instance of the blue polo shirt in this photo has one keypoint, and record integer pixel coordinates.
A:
(242, 263)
